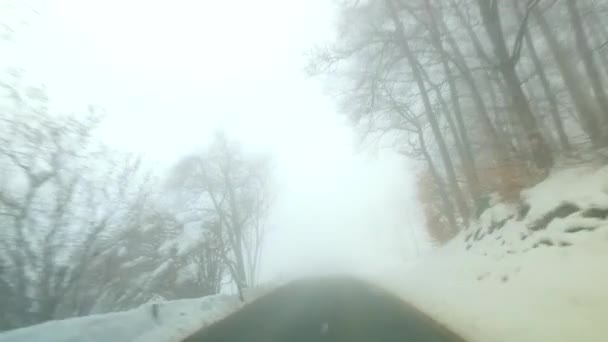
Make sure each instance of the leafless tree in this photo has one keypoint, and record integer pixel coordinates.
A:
(230, 190)
(62, 196)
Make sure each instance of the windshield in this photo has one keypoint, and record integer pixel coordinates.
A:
(157, 156)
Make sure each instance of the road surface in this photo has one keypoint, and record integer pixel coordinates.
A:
(326, 310)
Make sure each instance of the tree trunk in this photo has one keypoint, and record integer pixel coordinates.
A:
(582, 102)
(492, 24)
(506, 130)
(601, 38)
(448, 209)
(467, 152)
(443, 150)
(236, 227)
(462, 154)
(587, 56)
(481, 54)
(549, 94)
(496, 143)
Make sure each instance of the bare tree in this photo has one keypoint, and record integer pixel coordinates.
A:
(544, 81)
(61, 196)
(154, 256)
(507, 61)
(585, 106)
(402, 41)
(230, 190)
(593, 73)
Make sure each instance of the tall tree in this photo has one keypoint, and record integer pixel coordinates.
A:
(496, 143)
(546, 85)
(593, 73)
(232, 191)
(583, 103)
(402, 42)
(467, 151)
(506, 64)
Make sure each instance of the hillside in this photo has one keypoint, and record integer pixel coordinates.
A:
(533, 271)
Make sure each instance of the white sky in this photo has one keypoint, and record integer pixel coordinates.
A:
(170, 72)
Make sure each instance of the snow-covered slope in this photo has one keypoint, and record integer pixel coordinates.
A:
(529, 272)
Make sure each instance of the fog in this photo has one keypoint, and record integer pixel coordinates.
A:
(158, 154)
(182, 70)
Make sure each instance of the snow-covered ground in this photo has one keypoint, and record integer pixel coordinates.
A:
(527, 272)
(167, 321)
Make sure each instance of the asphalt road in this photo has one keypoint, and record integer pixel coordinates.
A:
(326, 310)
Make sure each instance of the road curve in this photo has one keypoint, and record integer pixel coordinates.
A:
(326, 310)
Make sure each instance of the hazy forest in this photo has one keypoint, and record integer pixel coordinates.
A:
(488, 95)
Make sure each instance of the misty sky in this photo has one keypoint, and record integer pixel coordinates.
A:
(169, 73)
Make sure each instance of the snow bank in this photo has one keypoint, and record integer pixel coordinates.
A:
(528, 272)
(168, 321)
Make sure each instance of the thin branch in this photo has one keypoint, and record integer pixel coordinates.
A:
(517, 46)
